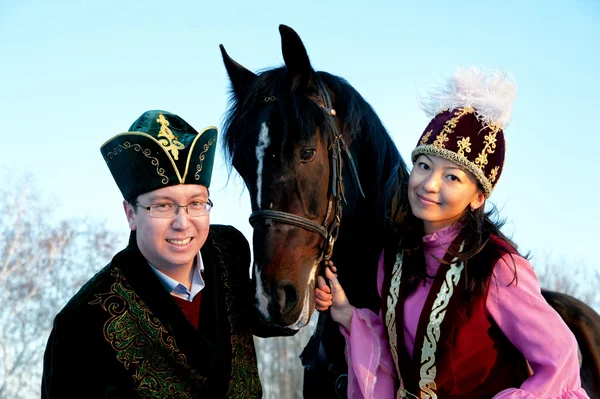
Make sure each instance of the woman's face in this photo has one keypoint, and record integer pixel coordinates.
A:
(439, 191)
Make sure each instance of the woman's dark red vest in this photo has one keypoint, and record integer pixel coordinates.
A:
(460, 352)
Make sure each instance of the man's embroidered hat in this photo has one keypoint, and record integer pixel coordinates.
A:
(468, 115)
(159, 150)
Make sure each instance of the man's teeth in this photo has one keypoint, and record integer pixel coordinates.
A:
(179, 242)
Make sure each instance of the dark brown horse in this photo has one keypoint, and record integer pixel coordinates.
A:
(584, 322)
(321, 171)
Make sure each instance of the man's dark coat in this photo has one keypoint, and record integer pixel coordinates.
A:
(123, 335)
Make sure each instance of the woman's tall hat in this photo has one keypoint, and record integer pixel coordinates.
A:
(159, 150)
(469, 115)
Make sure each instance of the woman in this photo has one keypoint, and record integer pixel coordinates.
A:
(462, 312)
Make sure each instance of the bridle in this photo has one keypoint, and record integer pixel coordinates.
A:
(328, 230)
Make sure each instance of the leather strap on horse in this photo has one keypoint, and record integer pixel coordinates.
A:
(289, 218)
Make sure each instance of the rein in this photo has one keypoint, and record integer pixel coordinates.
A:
(329, 232)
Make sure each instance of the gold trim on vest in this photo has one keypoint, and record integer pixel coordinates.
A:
(438, 312)
(390, 319)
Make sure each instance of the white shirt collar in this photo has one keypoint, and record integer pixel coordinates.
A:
(179, 290)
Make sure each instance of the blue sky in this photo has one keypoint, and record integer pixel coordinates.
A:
(75, 73)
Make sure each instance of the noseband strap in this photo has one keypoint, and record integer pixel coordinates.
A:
(288, 218)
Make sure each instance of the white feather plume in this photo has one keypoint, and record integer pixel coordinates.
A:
(491, 93)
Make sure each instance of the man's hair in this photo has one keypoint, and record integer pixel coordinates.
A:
(133, 203)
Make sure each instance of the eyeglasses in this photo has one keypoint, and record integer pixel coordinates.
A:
(169, 211)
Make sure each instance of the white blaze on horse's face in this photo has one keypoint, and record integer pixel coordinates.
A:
(306, 312)
(263, 142)
(261, 297)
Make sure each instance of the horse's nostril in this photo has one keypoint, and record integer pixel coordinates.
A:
(291, 296)
(288, 296)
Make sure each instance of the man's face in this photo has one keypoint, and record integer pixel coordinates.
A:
(169, 244)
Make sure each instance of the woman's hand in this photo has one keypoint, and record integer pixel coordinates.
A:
(334, 297)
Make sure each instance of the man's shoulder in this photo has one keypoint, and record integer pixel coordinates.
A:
(228, 246)
(226, 235)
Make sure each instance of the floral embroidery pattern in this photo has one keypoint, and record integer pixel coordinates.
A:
(201, 157)
(489, 148)
(438, 312)
(244, 382)
(392, 301)
(170, 141)
(494, 174)
(143, 345)
(425, 138)
(450, 125)
(147, 153)
(440, 140)
(464, 145)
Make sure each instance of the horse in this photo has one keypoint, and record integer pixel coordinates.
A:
(584, 322)
(323, 172)
(320, 169)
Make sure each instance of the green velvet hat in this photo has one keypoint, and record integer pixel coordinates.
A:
(160, 150)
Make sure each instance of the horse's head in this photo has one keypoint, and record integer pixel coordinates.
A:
(285, 138)
(278, 137)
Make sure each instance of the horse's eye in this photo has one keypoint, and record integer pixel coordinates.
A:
(307, 155)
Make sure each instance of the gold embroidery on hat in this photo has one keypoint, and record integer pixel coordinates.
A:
(192, 146)
(438, 312)
(201, 158)
(170, 142)
(494, 174)
(154, 161)
(489, 148)
(425, 137)
(464, 144)
(450, 125)
(440, 140)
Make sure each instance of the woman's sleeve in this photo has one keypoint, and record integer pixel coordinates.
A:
(535, 329)
(371, 372)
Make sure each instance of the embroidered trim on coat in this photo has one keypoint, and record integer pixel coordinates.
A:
(144, 346)
(245, 381)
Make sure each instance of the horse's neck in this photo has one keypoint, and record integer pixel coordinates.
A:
(362, 234)
(356, 253)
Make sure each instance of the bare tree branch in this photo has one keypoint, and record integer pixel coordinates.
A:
(43, 262)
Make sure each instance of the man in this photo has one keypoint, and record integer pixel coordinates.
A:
(171, 315)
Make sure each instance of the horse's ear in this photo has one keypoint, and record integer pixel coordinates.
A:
(240, 77)
(295, 56)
